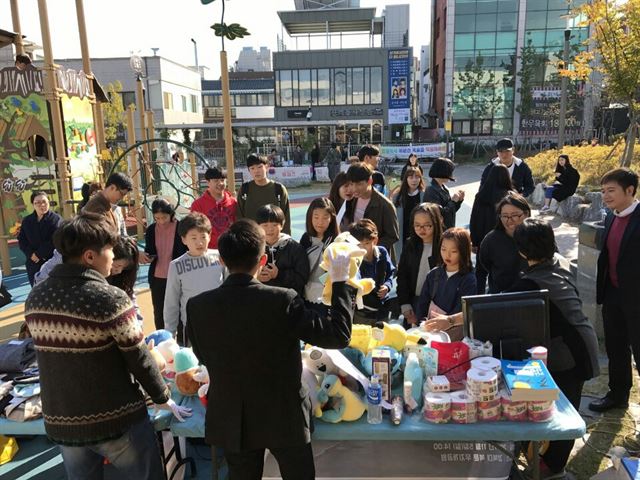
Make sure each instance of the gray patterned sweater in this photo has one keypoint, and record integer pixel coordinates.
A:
(91, 352)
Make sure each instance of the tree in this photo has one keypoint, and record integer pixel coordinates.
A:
(614, 53)
(113, 112)
(476, 92)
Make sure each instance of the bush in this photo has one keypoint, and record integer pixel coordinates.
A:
(591, 162)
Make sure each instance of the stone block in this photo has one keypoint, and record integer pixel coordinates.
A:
(572, 208)
(594, 212)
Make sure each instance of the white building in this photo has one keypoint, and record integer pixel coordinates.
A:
(396, 26)
(425, 86)
(250, 60)
(173, 91)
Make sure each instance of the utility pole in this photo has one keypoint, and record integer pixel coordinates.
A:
(563, 90)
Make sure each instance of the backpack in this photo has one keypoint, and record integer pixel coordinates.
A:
(244, 189)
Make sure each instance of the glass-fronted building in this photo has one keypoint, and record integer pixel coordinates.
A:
(478, 46)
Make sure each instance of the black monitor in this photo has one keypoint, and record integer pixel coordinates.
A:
(512, 322)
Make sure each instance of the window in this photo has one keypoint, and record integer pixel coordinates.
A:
(536, 20)
(324, 87)
(487, 6)
(464, 41)
(286, 97)
(376, 84)
(265, 99)
(209, 133)
(349, 88)
(340, 86)
(167, 98)
(358, 86)
(486, 22)
(277, 92)
(485, 40)
(465, 6)
(128, 98)
(507, 22)
(184, 102)
(465, 23)
(194, 104)
(305, 87)
(295, 88)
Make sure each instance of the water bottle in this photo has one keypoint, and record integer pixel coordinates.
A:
(374, 399)
(413, 373)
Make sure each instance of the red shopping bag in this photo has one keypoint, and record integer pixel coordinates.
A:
(453, 360)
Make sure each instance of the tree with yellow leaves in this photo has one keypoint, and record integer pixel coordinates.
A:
(614, 52)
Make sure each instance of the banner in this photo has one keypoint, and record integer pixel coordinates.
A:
(431, 150)
(292, 176)
(399, 94)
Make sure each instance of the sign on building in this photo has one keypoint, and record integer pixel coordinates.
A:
(399, 94)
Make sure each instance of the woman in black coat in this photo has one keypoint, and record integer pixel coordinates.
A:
(441, 172)
(567, 180)
(483, 213)
(161, 238)
(573, 345)
(426, 232)
(36, 234)
(412, 161)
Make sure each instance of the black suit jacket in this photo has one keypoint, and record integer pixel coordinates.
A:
(179, 248)
(628, 260)
(522, 178)
(408, 269)
(248, 336)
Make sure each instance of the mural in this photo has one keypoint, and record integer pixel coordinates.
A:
(25, 149)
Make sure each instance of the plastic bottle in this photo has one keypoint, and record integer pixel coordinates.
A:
(374, 399)
(413, 374)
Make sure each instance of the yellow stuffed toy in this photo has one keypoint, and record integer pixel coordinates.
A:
(394, 336)
(344, 243)
(345, 405)
(362, 339)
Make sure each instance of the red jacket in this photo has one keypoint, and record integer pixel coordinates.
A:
(221, 214)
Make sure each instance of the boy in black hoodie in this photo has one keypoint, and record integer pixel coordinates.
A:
(287, 263)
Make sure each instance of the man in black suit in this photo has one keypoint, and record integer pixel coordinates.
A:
(248, 336)
(618, 283)
(519, 171)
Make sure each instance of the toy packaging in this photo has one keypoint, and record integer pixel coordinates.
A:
(381, 366)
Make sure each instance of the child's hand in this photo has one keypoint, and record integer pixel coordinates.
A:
(382, 292)
(272, 269)
(264, 275)
(410, 317)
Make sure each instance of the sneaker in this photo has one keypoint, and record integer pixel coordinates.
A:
(544, 209)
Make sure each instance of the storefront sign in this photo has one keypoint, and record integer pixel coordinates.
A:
(543, 117)
(399, 68)
(431, 150)
(296, 113)
(355, 112)
(30, 80)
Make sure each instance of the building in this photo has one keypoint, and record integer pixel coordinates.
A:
(250, 60)
(342, 94)
(424, 75)
(477, 48)
(172, 91)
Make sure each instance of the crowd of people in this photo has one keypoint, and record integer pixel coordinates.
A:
(244, 246)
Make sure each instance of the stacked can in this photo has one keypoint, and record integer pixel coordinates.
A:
(437, 407)
(513, 411)
(541, 411)
(482, 385)
(463, 408)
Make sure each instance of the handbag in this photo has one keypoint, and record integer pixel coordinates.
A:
(5, 296)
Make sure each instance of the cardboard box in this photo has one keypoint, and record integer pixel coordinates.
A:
(381, 366)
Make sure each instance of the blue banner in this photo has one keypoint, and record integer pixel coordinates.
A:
(399, 94)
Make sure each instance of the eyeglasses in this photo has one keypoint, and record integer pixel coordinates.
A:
(422, 227)
(514, 216)
(41, 202)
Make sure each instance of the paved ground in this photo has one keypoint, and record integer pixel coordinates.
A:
(38, 459)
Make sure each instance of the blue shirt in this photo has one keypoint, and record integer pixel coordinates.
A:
(446, 292)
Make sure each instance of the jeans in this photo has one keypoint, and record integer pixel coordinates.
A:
(548, 191)
(158, 287)
(135, 455)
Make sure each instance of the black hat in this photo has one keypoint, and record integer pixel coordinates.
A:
(504, 144)
(213, 173)
(442, 168)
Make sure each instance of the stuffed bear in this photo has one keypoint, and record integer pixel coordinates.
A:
(318, 362)
(158, 336)
(347, 243)
(202, 377)
(345, 405)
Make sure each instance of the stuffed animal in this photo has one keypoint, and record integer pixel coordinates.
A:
(168, 350)
(158, 337)
(157, 356)
(362, 339)
(318, 362)
(186, 365)
(395, 336)
(311, 381)
(345, 242)
(345, 405)
(202, 377)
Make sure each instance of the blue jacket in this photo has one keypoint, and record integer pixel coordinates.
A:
(381, 269)
(445, 292)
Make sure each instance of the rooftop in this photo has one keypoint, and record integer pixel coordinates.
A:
(330, 20)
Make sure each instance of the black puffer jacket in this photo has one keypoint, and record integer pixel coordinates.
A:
(292, 262)
(408, 269)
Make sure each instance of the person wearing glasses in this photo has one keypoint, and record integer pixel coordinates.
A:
(106, 201)
(36, 234)
(498, 257)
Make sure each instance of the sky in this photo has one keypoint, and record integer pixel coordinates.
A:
(116, 28)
